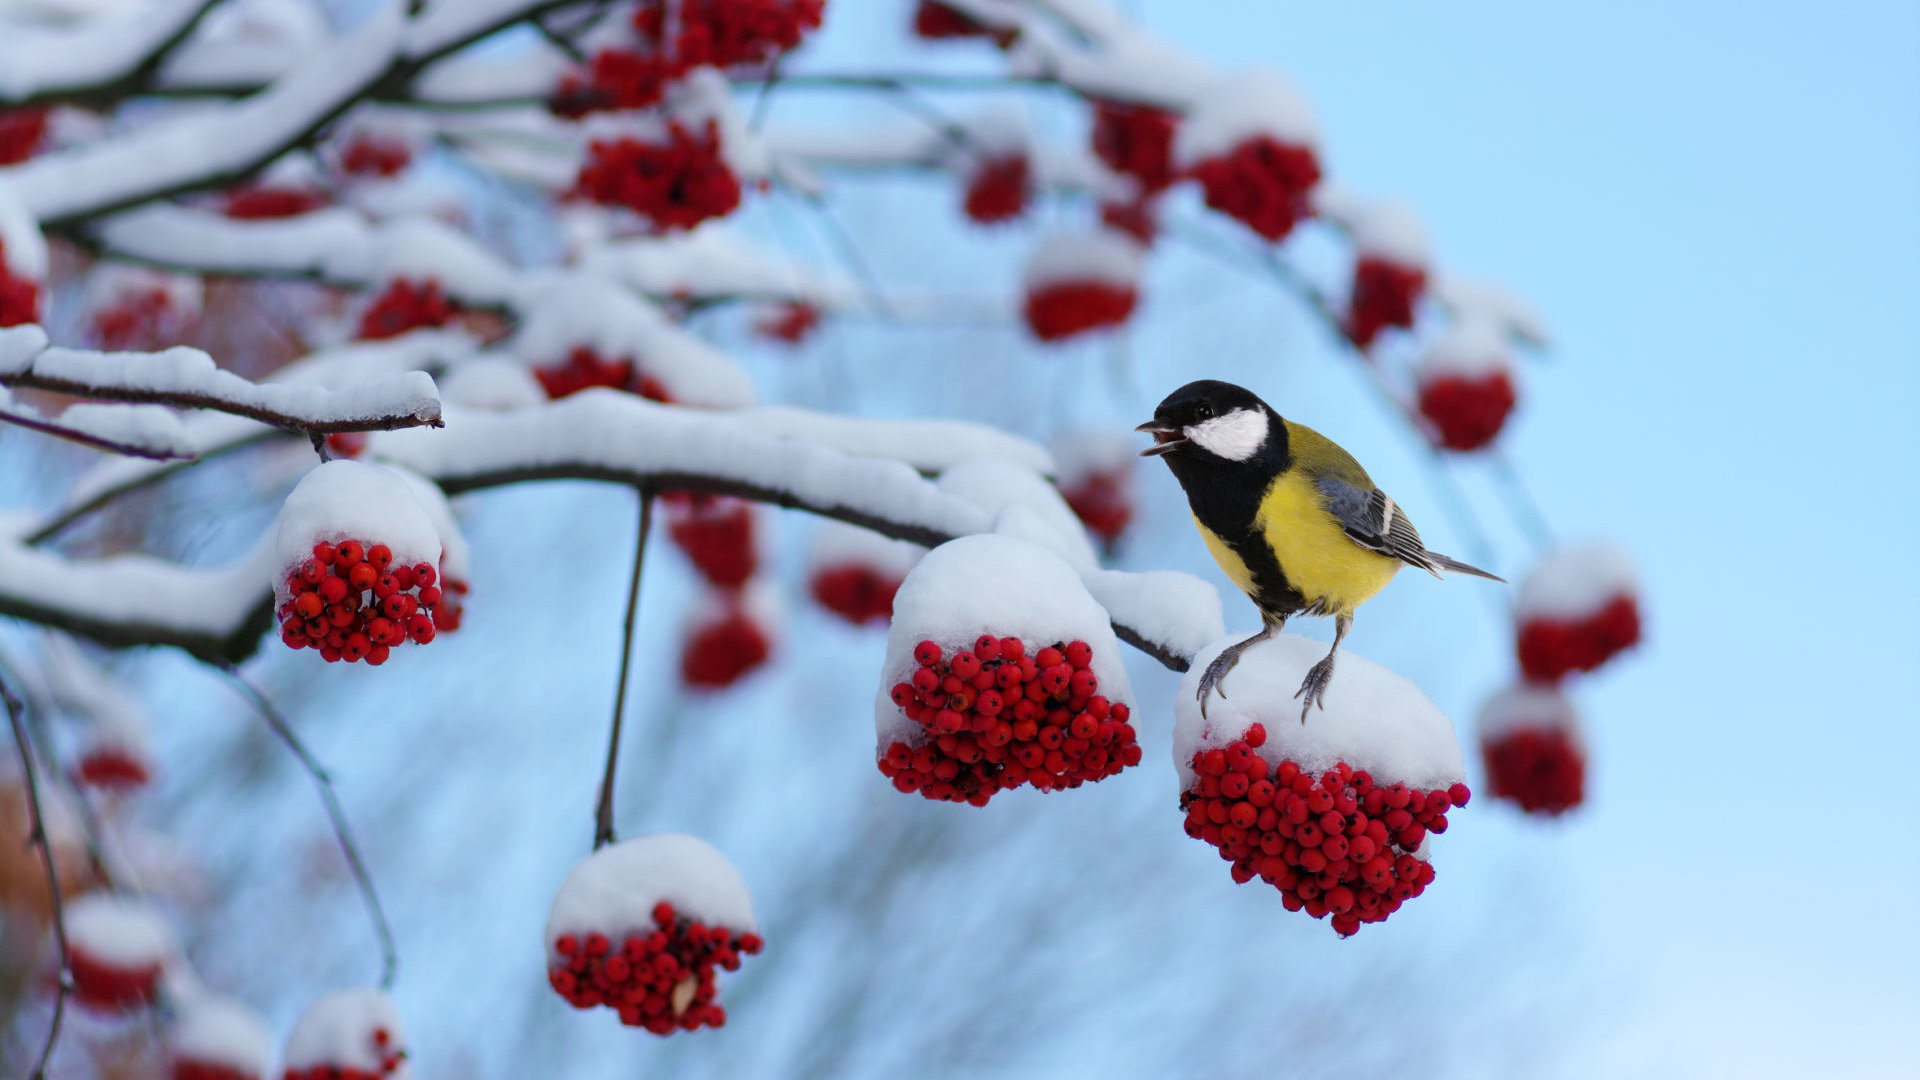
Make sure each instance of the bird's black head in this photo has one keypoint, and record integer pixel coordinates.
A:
(1213, 422)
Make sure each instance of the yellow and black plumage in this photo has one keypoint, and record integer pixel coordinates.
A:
(1292, 518)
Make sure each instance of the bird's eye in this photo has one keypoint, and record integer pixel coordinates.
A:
(1203, 411)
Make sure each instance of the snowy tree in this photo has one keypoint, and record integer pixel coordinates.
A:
(336, 301)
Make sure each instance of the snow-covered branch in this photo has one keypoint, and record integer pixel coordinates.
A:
(101, 59)
(188, 378)
(615, 437)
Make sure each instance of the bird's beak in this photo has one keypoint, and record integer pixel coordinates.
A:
(1165, 438)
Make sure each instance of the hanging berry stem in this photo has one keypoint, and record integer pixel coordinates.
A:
(337, 817)
(38, 838)
(603, 813)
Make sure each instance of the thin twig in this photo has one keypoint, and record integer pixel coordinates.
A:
(603, 813)
(763, 101)
(842, 243)
(342, 832)
(60, 522)
(112, 446)
(38, 837)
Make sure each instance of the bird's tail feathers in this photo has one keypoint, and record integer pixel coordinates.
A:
(1453, 565)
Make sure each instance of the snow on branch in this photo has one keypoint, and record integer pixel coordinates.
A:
(102, 57)
(215, 146)
(615, 437)
(188, 378)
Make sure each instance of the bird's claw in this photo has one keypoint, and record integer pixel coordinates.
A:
(1314, 687)
(1210, 679)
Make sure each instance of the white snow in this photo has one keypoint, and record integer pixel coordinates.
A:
(338, 1030)
(758, 600)
(182, 371)
(1373, 720)
(1470, 348)
(1080, 453)
(1576, 581)
(19, 345)
(993, 484)
(991, 584)
(1469, 299)
(352, 500)
(211, 1030)
(456, 559)
(568, 310)
(245, 43)
(75, 683)
(133, 590)
(712, 259)
(1241, 107)
(120, 931)
(1095, 255)
(928, 445)
(147, 430)
(179, 151)
(492, 384)
(111, 283)
(45, 59)
(613, 891)
(837, 544)
(530, 71)
(1101, 55)
(1392, 231)
(1523, 706)
(1173, 610)
(25, 246)
(421, 248)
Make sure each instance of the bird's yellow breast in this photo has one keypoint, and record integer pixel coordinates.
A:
(1335, 574)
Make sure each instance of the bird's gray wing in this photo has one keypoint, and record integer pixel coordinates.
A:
(1373, 520)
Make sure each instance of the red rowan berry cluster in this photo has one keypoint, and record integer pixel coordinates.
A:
(113, 767)
(995, 718)
(661, 980)
(617, 79)
(1544, 770)
(1338, 844)
(391, 1058)
(717, 535)
(792, 322)
(105, 986)
(1133, 218)
(730, 33)
(1061, 309)
(997, 191)
(934, 21)
(1383, 295)
(1262, 182)
(405, 305)
(677, 184)
(1552, 648)
(139, 318)
(1467, 411)
(1135, 140)
(253, 203)
(856, 592)
(370, 155)
(721, 650)
(581, 369)
(352, 602)
(1101, 501)
(22, 131)
(19, 296)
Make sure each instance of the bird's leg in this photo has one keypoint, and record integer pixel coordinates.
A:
(1314, 686)
(1228, 657)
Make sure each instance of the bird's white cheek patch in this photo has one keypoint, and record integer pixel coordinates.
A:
(1236, 436)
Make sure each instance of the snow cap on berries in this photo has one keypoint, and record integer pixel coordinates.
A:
(220, 1033)
(350, 500)
(1468, 348)
(1576, 581)
(993, 484)
(1374, 719)
(1104, 256)
(989, 584)
(349, 1029)
(836, 543)
(456, 560)
(1242, 107)
(613, 891)
(120, 932)
(566, 311)
(1528, 706)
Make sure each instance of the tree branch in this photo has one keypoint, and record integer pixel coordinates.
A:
(603, 813)
(38, 838)
(337, 817)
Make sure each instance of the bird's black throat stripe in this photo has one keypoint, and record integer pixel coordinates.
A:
(1225, 497)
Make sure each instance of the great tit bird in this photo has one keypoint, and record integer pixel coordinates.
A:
(1291, 517)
